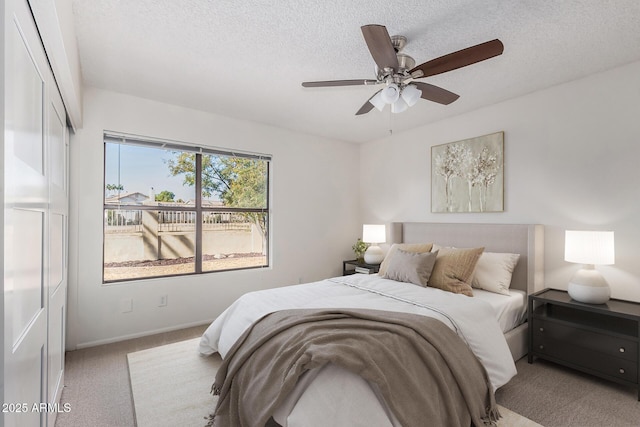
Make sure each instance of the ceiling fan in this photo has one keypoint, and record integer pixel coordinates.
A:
(397, 71)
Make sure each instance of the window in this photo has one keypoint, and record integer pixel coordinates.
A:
(172, 209)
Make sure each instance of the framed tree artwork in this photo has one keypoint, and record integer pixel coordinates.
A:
(468, 175)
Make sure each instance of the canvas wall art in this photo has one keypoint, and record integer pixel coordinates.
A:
(468, 175)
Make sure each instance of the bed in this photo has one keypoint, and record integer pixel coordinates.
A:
(524, 239)
(490, 325)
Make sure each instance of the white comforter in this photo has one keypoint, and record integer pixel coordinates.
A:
(473, 320)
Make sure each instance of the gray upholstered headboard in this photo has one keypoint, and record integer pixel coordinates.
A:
(524, 239)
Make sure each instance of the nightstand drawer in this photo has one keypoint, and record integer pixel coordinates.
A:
(582, 357)
(599, 339)
(605, 344)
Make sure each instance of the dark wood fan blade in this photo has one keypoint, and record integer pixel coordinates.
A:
(340, 83)
(367, 106)
(379, 44)
(461, 58)
(435, 93)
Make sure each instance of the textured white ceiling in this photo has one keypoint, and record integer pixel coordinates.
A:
(246, 59)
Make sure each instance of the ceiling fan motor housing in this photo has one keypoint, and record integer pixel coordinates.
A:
(405, 62)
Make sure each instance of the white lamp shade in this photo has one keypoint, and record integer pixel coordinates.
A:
(377, 101)
(411, 94)
(374, 233)
(589, 247)
(399, 106)
(390, 94)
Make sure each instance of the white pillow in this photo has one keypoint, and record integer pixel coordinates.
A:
(493, 272)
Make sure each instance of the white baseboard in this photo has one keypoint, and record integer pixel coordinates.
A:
(141, 334)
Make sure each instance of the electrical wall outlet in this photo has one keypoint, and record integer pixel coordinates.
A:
(126, 305)
(163, 301)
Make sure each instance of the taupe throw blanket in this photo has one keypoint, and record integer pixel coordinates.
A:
(426, 373)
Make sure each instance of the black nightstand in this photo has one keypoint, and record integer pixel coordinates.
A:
(352, 266)
(599, 339)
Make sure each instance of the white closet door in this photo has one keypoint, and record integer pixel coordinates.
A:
(34, 225)
(57, 278)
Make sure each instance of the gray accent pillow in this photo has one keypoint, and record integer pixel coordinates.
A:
(411, 267)
(409, 247)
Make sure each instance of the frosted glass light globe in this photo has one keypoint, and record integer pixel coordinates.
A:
(390, 94)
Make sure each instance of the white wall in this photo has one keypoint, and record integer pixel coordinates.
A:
(571, 162)
(314, 218)
(571, 155)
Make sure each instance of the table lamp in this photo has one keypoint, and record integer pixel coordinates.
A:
(373, 234)
(589, 248)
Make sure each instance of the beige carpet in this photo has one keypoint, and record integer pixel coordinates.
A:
(171, 384)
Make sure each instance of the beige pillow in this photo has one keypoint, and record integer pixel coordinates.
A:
(411, 267)
(409, 247)
(454, 269)
(493, 272)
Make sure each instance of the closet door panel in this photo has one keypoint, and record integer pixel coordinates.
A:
(56, 252)
(57, 147)
(25, 96)
(26, 270)
(26, 217)
(57, 166)
(55, 362)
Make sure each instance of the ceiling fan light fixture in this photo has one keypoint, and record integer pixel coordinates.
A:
(399, 106)
(377, 101)
(411, 94)
(390, 94)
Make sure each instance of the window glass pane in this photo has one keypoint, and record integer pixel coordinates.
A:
(232, 240)
(151, 212)
(234, 182)
(148, 243)
(142, 175)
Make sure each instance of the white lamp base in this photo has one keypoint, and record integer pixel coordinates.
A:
(373, 255)
(588, 286)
